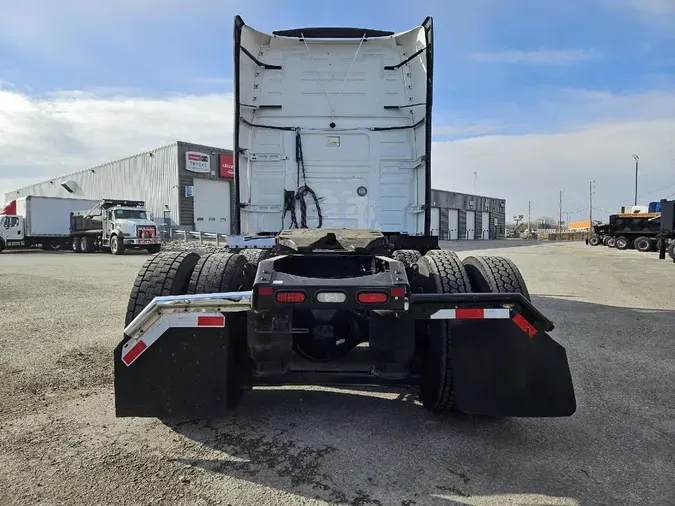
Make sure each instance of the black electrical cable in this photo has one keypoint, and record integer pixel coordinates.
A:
(302, 191)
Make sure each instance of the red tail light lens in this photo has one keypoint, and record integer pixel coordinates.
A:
(372, 297)
(398, 291)
(291, 297)
(265, 290)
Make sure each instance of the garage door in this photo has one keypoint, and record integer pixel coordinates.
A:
(453, 224)
(212, 205)
(471, 225)
(486, 225)
(435, 221)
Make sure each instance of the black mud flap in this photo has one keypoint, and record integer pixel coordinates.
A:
(182, 374)
(500, 370)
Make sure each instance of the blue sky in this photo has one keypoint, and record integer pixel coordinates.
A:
(509, 76)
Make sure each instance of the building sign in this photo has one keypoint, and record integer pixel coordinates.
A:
(197, 162)
(189, 191)
(227, 166)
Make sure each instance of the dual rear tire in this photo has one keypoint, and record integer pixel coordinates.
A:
(442, 272)
(178, 273)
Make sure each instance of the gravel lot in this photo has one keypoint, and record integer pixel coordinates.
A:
(62, 315)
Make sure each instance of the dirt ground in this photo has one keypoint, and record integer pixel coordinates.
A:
(60, 444)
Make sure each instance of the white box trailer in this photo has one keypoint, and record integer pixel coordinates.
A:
(34, 220)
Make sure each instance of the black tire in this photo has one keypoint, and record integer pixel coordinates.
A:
(604, 240)
(167, 273)
(444, 273)
(76, 245)
(658, 244)
(45, 246)
(594, 240)
(116, 245)
(408, 256)
(226, 272)
(611, 242)
(154, 249)
(644, 244)
(622, 242)
(254, 255)
(671, 250)
(87, 244)
(490, 274)
(2, 244)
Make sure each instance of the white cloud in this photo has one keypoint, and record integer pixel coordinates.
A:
(538, 57)
(49, 136)
(67, 131)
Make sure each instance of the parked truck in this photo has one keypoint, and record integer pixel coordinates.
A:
(39, 221)
(333, 276)
(114, 226)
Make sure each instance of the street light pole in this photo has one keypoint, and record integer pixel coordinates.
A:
(637, 164)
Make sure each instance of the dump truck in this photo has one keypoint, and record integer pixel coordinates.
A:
(115, 226)
(332, 275)
(38, 221)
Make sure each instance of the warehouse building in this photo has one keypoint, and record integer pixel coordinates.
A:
(191, 186)
(183, 185)
(460, 216)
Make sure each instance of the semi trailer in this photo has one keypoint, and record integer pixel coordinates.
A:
(39, 221)
(333, 276)
(114, 226)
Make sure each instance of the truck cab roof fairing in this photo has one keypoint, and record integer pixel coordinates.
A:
(301, 85)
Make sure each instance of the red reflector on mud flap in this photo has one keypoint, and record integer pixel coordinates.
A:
(372, 297)
(210, 321)
(525, 326)
(291, 297)
(469, 314)
(134, 352)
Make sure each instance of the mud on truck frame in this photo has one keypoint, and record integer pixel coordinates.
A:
(335, 123)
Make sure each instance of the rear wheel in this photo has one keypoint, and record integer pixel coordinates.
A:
(594, 240)
(87, 244)
(671, 249)
(644, 244)
(622, 242)
(2, 244)
(76, 245)
(490, 274)
(440, 272)
(408, 256)
(166, 273)
(226, 272)
(611, 242)
(155, 248)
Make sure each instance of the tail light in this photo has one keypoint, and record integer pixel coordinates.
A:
(291, 297)
(372, 297)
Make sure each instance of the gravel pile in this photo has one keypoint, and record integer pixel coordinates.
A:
(205, 247)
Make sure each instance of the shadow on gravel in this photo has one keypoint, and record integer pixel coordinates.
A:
(356, 447)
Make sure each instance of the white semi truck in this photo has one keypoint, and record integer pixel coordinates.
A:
(39, 221)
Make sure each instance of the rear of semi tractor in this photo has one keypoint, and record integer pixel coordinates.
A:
(333, 276)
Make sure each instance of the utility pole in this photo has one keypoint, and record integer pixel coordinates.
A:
(529, 219)
(637, 164)
(590, 208)
(560, 215)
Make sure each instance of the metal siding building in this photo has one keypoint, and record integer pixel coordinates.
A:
(456, 210)
(159, 177)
